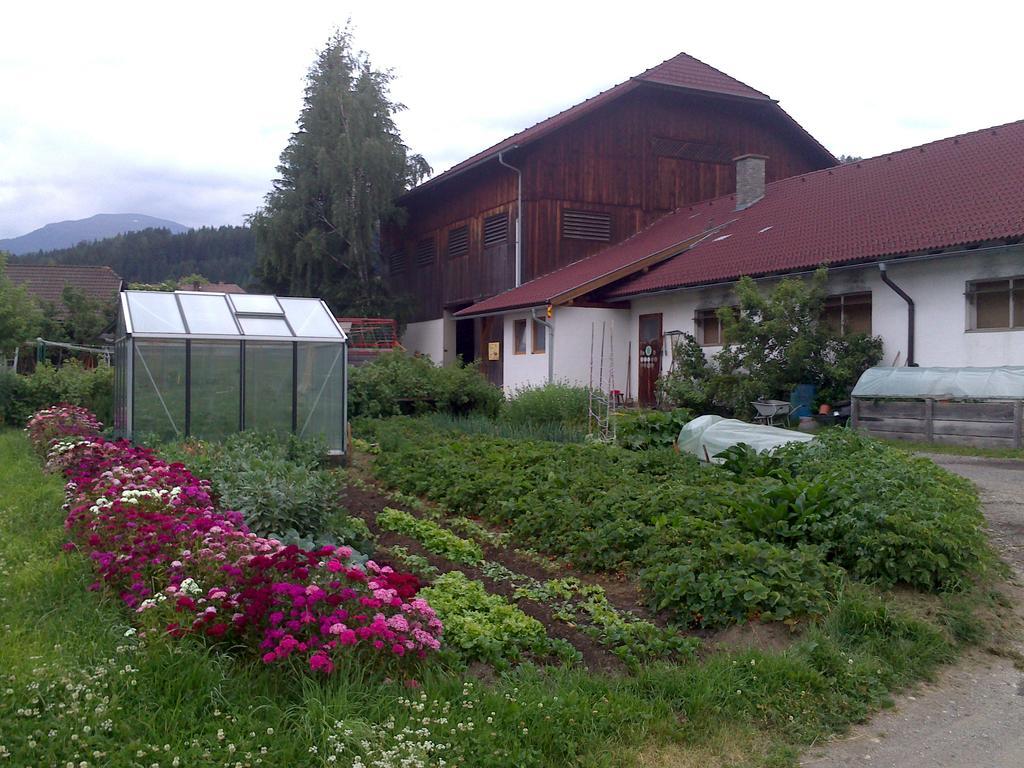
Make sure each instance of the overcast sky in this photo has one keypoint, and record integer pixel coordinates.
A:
(181, 110)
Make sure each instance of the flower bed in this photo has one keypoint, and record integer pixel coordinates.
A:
(186, 567)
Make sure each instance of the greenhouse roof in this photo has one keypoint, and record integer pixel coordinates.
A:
(193, 314)
(1004, 382)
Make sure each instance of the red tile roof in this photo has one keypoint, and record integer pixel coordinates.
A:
(47, 282)
(681, 71)
(958, 191)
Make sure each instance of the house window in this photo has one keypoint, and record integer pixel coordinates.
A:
(426, 251)
(996, 304)
(496, 229)
(848, 313)
(586, 225)
(458, 241)
(539, 337)
(709, 327)
(396, 263)
(519, 340)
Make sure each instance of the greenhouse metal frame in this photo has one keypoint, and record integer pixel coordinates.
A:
(206, 365)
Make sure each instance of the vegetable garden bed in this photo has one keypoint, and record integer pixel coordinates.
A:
(541, 664)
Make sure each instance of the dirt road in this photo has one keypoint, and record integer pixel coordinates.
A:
(972, 716)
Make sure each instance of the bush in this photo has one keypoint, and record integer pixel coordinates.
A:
(557, 403)
(277, 484)
(641, 430)
(396, 383)
(23, 395)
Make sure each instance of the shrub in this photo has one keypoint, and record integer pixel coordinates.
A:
(776, 340)
(23, 395)
(277, 484)
(397, 383)
(550, 404)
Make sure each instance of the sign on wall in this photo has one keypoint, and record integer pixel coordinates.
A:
(494, 350)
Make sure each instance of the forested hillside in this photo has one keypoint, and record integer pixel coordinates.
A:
(221, 254)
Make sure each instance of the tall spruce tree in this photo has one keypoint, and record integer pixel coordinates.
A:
(318, 233)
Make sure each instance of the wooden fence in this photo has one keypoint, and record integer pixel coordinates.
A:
(987, 424)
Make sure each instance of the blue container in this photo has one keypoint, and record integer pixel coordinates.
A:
(802, 399)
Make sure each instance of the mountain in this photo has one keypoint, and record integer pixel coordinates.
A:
(65, 234)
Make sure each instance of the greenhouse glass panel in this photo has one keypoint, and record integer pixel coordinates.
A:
(321, 393)
(264, 326)
(159, 389)
(208, 314)
(268, 386)
(309, 318)
(250, 303)
(216, 384)
(154, 312)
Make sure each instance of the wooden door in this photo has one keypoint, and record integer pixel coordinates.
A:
(649, 367)
(491, 333)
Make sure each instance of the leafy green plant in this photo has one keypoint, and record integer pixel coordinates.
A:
(278, 484)
(396, 383)
(479, 626)
(436, 539)
(550, 404)
(23, 395)
(764, 536)
(640, 430)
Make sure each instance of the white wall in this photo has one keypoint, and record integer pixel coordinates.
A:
(573, 357)
(572, 349)
(432, 338)
(936, 286)
(530, 369)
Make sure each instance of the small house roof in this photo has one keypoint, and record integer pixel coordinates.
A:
(250, 316)
(47, 281)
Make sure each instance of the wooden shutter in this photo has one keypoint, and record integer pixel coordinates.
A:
(426, 251)
(458, 242)
(586, 225)
(496, 229)
(396, 262)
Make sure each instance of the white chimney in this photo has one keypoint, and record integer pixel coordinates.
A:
(749, 179)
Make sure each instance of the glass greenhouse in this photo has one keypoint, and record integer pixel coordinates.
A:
(205, 365)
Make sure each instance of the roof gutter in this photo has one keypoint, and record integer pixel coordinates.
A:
(810, 271)
(549, 346)
(519, 213)
(910, 311)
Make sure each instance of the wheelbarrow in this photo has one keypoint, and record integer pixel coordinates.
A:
(768, 411)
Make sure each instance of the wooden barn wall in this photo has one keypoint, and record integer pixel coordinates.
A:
(636, 159)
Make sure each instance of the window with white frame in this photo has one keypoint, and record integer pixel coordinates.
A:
(994, 305)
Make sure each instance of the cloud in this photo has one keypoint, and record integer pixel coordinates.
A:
(183, 114)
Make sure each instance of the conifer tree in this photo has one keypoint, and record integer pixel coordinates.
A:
(318, 233)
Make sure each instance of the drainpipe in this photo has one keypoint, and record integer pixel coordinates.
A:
(519, 216)
(910, 312)
(549, 346)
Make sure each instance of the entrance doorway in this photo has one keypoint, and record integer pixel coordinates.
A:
(649, 367)
(481, 339)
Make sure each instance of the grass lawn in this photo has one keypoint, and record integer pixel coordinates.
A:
(77, 687)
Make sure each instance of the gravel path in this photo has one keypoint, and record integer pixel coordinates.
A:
(972, 716)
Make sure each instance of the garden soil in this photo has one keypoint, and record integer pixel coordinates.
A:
(972, 716)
